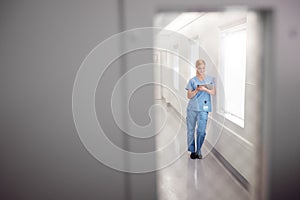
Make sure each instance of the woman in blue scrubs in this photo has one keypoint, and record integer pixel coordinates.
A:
(198, 108)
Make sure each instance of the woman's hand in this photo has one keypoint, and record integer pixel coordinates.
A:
(202, 88)
(192, 93)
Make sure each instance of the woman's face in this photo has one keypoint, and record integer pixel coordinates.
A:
(201, 68)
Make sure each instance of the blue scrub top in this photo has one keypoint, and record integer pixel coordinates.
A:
(202, 100)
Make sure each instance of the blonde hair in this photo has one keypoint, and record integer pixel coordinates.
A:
(199, 62)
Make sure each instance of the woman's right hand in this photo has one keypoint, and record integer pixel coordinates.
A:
(192, 93)
(198, 88)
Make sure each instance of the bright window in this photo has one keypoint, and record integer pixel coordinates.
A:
(233, 64)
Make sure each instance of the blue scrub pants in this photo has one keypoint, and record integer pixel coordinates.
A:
(201, 118)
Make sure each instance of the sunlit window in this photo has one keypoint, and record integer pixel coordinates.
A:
(233, 64)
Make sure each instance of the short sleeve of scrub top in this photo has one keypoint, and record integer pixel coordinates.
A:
(190, 85)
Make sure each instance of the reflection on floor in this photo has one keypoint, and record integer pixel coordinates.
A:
(188, 179)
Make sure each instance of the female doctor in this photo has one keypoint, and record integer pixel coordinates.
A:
(198, 107)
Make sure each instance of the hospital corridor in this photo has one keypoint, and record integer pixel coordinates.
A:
(222, 42)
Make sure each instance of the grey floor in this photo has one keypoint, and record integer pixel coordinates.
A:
(187, 179)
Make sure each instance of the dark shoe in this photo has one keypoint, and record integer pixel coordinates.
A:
(199, 156)
(193, 156)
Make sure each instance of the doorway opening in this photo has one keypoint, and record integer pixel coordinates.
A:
(230, 42)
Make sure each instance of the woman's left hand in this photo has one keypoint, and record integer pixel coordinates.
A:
(202, 88)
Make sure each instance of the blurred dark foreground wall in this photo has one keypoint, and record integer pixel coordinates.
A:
(43, 44)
